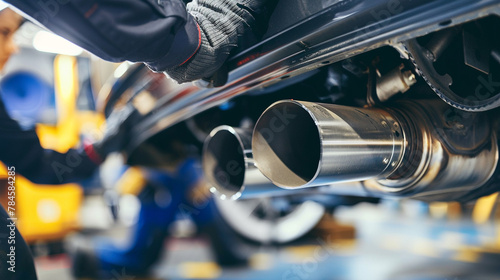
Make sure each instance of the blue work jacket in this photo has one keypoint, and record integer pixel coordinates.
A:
(159, 33)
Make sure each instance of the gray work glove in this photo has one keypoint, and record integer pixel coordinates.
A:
(222, 24)
(116, 135)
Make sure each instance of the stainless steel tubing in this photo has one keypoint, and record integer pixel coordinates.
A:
(419, 149)
(229, 167)
(302, 144)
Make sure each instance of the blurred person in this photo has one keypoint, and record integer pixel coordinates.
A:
(186, 42)
(21, 151)
(176, 189)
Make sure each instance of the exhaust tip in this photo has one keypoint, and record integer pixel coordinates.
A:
(303, 144)
(286, 144)
(224, 162)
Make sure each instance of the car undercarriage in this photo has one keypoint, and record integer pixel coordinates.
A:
(378, 98)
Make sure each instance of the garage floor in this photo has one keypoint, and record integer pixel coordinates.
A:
(389, 245)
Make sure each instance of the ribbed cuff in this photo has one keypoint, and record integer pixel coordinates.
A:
(186, 43)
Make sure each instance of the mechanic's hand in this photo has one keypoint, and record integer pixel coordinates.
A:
(224, 25)
(116, 135)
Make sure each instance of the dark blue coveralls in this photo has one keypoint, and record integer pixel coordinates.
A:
(159, 33)
(21, 149)
(145, 244)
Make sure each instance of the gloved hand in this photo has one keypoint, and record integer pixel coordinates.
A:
(116, 135)
(222, 24)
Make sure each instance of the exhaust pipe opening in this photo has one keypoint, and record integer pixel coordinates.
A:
(223, 161)
(293, 162)
(303, 144)
(229, 166)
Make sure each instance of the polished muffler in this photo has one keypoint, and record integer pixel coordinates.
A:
(414, 149)
(229, 167)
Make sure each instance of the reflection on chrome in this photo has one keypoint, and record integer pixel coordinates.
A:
(409, 151)
(229, 167)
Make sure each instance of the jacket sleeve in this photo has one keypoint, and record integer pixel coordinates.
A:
(158, 32)
(22, 150)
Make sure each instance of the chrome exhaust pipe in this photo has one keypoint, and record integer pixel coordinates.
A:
(230, 170)
(418, 149)
(229, 167)
(303, 144)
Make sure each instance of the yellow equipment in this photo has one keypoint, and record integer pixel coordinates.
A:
(49, 212)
